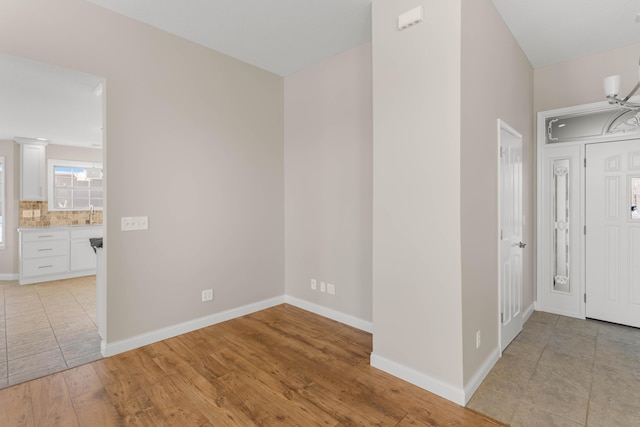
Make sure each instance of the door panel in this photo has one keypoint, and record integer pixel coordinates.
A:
(511, 245)
(613, 232)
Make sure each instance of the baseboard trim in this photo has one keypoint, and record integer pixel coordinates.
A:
(347, 319)
(9, 276)
(117, 347)
(528, 312)
(433, 385)
(481, 374)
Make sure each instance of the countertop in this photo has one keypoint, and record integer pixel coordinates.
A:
(58, 227)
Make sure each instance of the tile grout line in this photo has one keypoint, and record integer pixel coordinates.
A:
(535, 368)
(69, 291)
(42, 296)
(593, 371)
(46, 312)
(83, 308)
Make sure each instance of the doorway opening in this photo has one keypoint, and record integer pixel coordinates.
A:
(64, 110)
(588, 160)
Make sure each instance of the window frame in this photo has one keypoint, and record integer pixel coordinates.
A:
(51, 164)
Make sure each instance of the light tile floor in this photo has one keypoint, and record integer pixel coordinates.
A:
(46, 328)
(561, 371)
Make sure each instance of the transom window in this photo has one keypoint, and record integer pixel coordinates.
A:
(75, 186)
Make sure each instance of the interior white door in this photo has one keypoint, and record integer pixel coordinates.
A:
(613, 232)
(511, 245)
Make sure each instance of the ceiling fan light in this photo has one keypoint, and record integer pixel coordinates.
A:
(612, 85)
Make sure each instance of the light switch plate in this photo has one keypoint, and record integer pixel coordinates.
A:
(133, 223)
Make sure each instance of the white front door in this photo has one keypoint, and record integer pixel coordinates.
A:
(511, 245)
(613, 232)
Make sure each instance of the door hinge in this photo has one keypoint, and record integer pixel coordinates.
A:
(585, 298)
(585, 162)
(585, 230)
(501, 234)
(501, 317)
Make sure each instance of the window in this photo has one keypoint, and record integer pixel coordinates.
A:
(75, 186)
(2, 203)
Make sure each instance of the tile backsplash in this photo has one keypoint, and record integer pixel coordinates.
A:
(55, 218)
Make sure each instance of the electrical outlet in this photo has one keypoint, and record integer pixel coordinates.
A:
(323, 287)
(331, 289)
(478, 339)
(36, 213)
(314, 284)
(27, 213)
(207, 295)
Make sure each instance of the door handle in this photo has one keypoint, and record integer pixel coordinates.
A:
(522, 245)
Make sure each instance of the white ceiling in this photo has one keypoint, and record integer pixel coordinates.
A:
(551, 31)
(42, 101)
(283, 36)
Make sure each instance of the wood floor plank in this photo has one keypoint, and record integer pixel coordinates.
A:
(16, 407)
(194, 350)
(81, 380)
(280, 366)
(117, 383)
(94, 408)
(213, 403)
(270, 380)
(51, 402)
(322, 376)
(138, 411)
(175, 408)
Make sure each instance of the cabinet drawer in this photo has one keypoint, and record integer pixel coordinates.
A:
(44, 236)
(45, 249)
(45, 266)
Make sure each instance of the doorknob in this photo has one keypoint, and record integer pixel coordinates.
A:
(522, 245)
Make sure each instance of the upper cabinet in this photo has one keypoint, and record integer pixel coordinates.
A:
(32, 171)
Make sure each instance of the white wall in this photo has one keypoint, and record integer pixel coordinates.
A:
(194, 140)
(439, 89)
(580, 81)
(328, 182)
(417, 309)
(497, 82)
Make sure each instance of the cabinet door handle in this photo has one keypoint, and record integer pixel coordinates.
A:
(45, 266)
(45, 236)
(46, 249)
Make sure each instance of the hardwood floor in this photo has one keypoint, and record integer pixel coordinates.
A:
(281, 366)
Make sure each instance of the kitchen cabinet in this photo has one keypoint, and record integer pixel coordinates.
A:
(82, 255)
(33, 172)
(44, 253)
(53, 253)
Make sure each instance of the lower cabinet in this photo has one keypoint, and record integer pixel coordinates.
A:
(82, 255)
(56, 253)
